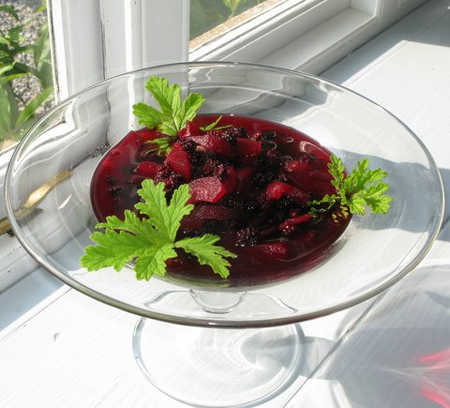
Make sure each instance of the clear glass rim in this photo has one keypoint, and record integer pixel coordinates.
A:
(214, 322)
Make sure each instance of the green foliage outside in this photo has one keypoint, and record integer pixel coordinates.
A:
(206, 14)
(17, 115)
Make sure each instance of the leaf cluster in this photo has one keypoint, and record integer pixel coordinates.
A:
(151, 240)
(361, 189)
(174, 113)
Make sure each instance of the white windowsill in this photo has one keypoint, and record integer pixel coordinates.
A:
(306, 53)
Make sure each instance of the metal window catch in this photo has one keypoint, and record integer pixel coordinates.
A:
(29, 206)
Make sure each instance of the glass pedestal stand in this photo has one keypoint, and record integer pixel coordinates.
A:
(218, 367)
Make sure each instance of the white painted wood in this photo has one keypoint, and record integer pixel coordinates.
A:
(76, 45)
(308, 36)
(136, 34)
(269, 31)
(140, 33)
(323, 44)
(41, 290)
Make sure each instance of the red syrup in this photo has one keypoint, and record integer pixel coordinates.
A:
(249, 183)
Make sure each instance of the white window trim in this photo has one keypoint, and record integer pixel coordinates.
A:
(309, 36)
(283, 23)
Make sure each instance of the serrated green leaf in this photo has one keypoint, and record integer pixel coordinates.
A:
(160, 145)
(133, 224)
(360, 189)
(168, 125)
(207, 253)
(148, 116)
(376, 199)
(154, 206)
(165, 218)
(357, 205)
(190, 107)
(113, 249)
(151, 241)
(174, 113)
(168, 96)
(178, 208)
(154, 261)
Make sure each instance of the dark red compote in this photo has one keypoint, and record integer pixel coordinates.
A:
(250, 183)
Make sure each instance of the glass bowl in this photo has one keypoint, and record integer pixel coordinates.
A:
(374, 252)
(63, 149)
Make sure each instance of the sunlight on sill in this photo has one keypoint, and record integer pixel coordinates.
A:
(232, 23)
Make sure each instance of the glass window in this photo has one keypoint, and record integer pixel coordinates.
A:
(26, 81)
(212, 18)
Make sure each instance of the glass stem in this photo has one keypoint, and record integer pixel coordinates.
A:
(217, 302)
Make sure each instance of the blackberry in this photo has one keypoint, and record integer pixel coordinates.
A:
(246, 237)
(114, 190)
(233, 200)
(269, 145)
(287, 229)
(197, 159)
(171, 179)
(212, 226)
(231, 134)
(189, 146)
(285, 203)
(271, 162)
(251, 206)
(262, 178)
(268, 135)
(110, 180)
(213, 167)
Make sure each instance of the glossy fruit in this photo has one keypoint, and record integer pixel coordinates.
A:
(250, 184)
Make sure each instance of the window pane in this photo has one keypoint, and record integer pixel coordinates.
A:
(212, 18)
(26, 82)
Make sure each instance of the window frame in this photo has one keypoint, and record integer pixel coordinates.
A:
(305, 30)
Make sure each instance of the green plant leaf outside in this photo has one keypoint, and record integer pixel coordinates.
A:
(30, 109)
(9, 9)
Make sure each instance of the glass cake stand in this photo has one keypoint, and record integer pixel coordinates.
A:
(218, 345)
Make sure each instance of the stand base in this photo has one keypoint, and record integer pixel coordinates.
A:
(207, 367)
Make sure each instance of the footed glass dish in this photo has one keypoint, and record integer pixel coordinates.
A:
(250, 346)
